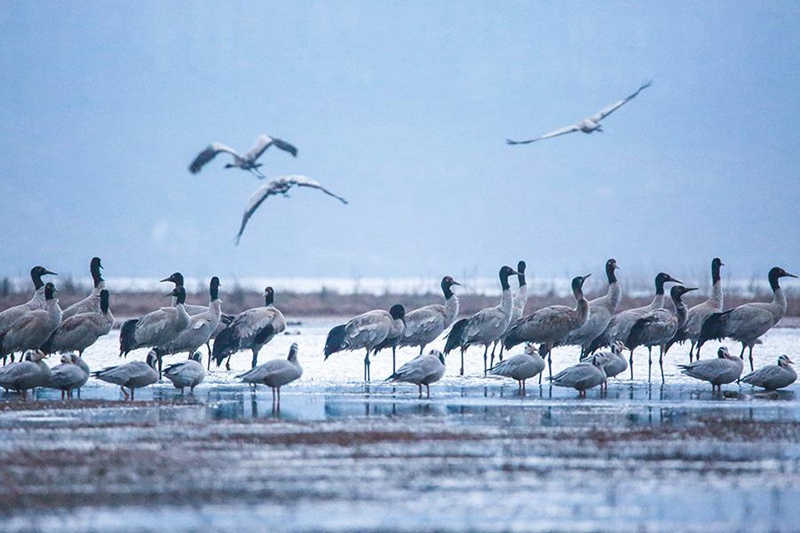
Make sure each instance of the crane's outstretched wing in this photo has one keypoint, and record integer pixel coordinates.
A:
(210, 153)
(554, 133)
(303, 181)
(265, 141)
(603, 113)
(278, 186)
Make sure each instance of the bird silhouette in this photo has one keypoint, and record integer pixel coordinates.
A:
(589, 124)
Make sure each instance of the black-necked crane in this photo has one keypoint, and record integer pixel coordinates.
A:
(749, 321)
(80, 331)
(201, 326)
(658, 326)
(243, 161)
(92, 302)
(34, 328)
(548, 326)
(37, 301)
(601, 309)
(155, 328)
(690, 331)
(485, 326)
(367, 331)
(279, 186)
(517, 310)
(250, 330)
(589, 124)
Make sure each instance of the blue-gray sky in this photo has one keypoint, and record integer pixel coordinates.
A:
(403, 108)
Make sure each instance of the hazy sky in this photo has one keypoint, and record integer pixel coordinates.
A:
(403, 108)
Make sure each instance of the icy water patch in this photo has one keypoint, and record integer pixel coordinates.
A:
(340, 455)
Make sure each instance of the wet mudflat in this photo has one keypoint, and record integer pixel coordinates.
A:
(343, 456)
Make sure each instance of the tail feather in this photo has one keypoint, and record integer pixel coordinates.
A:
(48, 344)
(601, 341)
(336, 340)
(714, 327)
(127, 339)
(455, 339)
(513, 336)
(225, 344)
(636, 335)
(679, 337)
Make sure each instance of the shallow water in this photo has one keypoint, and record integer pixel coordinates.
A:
(340, 455)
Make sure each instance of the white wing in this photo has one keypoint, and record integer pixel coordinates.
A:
(210, 153)
(265, 141)
(554, 133)
(603, 113)
(278, 186)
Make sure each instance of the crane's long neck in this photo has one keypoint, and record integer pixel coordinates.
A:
(520, 301)
(778, 303)
(716, 298)
(681, 311)
(450, 308)
(658, 299)
(506, 300)
(583, 306)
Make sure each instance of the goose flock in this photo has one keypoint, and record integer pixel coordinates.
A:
(34, 330)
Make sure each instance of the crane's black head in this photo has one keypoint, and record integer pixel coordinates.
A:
(94, 269)
(269, 296)
(577, 283)
(776, 273)
(49, 291)
(521, 266)
(176, 278)
(36, 275)
(104, 299)
(505, 273)
(716, 263)
(447, 283)
(677, 291)
(611, 266)
(397, 311)
(213, 288)
(661, 279)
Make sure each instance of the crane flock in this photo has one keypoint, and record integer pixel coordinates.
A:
(41, 329)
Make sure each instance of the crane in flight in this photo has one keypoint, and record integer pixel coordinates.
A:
(589, 124)
(246, 161)
(279, 186)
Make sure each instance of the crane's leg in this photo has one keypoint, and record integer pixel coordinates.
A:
(485, 355)
(462, 361)
(428, 388)
(741, 355)
(691, 351)
(502, 347)
(366, 366)
(394, 348)
(751, 361)
(228, 362)
(254, 363)
(630, 363)
(419, 387)
(208, 346)
(649, 362)
(549, 360)
(661, 362)
(491, 361)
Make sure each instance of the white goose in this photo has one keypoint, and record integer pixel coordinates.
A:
(244, 162)
(189, 373)
(773, 377)
(422, 370)
(133, 375)
(582, 376)
(68, 376)
(726, 368)
(26, 375)
(520, 367)
(91, 303)
(275, 374)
